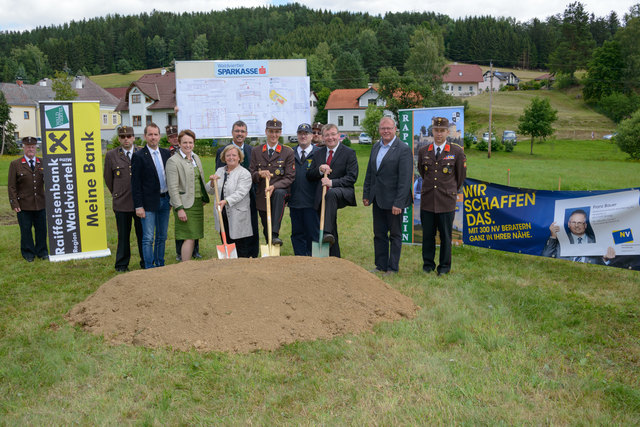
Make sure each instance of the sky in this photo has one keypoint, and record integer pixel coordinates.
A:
(19, 15)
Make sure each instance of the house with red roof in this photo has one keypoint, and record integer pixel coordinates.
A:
(462, 79)
(346, 107)
(151, 98)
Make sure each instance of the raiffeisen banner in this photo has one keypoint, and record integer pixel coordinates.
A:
(595, 227)
(74, 190)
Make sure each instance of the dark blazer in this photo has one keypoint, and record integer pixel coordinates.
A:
(246, 149)
(344, 172)
(117, 176)
(441, 178)
(390, 185)
(303, 191)
(145, 185)
(26, 187)
(281, 165)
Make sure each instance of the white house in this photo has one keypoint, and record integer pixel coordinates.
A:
(500, 80)
(346, 107)
(151, 98)
(25, 111)
(462, 80)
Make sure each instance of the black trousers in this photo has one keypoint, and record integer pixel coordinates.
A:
(334, 200)
(277, 212)
(123, 224)
(243, 245)
(305, 224)
(387, 238)
(443, 224)
(38, 221)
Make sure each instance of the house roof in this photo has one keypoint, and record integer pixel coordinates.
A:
(160, 88)
(91, 91)
(118, 92)
(26, 95)
(463, 73)
(346, 99)
(545, 77)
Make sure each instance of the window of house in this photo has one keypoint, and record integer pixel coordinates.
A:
(356, 121)
(340, 120)
(148, 100)
(135, 98)
(137, 120)
(470, 88)
(26, 115)
(114, 119)
(148, 119)
(314, 103)
(372, 102)
(459, 88)
(105, 119)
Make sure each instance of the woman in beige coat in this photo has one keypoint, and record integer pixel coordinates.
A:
(234, 186)
(185, 180)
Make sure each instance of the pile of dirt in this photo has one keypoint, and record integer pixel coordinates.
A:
(240, 305)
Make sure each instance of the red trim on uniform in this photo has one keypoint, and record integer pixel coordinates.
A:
(264, 148)
(278, 148)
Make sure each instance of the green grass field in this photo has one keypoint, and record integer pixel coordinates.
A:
(505, 339)
(121, 80)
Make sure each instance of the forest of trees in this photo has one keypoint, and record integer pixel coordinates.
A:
(360, 42)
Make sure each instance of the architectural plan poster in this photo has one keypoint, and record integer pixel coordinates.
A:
(415, 129)
(212, 95)
(596, 227)
(74, 189)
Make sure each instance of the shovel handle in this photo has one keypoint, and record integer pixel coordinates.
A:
(324, 193)
(268, 197)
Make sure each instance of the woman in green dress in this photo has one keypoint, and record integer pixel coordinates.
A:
(185, 179)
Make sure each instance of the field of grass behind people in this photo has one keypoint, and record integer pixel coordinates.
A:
(504, 339)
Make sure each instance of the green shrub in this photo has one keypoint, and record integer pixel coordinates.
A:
(628, 137)
(508, 146)
(482, 145)
(346, 141)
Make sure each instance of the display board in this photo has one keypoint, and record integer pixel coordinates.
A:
(212, 95)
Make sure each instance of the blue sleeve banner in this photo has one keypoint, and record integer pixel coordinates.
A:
(595, 227)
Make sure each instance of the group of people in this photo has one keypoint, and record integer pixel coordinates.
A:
(148, 183)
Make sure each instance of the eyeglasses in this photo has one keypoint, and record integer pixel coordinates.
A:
(386, 128)
(576, 223)
(125, 136)
(317, 133)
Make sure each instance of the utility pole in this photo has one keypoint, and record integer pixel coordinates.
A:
(490, 102)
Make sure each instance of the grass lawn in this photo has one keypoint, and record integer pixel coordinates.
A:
(121, 80)
(504, 339)
(575, 119)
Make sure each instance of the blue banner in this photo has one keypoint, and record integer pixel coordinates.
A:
(595, 227)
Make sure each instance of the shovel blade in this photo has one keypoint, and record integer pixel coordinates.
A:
(319, 250)
(227, 251)
(269, 250)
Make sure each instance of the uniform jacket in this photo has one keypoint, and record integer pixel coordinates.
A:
(181, 180)
(441, 178)
(303, 191)
(236, 193)
(117, 176)
(246, 149)
(145, 185)
(26, 187)
(390, 185)
(344, 172)
(282, 168)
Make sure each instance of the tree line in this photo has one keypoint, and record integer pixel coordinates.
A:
(345, 49)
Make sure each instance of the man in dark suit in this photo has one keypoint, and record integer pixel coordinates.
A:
(387, 187)
(577, 224)
(26, 197)
(117, 176)
(150, 196)
(341, 165)
(239, 135)
(443, 168)
(305, 222)
(277, 162)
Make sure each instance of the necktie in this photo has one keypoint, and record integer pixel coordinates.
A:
(302, 157)
(579, 240)
(160, 171)
(330, 157)
(129, 155)
(33, 167)
(438, 153)
(270, 152)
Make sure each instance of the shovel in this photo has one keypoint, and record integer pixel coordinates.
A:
(319, 249)
(269, 249)
(225, 250)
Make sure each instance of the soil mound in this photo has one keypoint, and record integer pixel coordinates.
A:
(240, 305)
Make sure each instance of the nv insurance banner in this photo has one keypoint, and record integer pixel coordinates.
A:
(596, 227)
(74, 190)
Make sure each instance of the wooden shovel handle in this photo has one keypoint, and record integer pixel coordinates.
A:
(324, 193)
